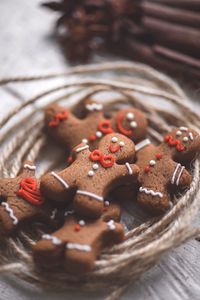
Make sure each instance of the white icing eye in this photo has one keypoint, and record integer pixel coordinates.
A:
(82, 222)
(99, 134)
(114, 139)
(130, 116)
(95, 166)
(185, 139)
(106, 203)
(91, 173)
(85, 141)
(152, 162)
(178, 133)
(133, 124)
(121, 144)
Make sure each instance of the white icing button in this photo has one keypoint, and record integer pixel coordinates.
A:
(130, 116)
(95, 166)
(91, 173)
(121, 144)
(178, 133)
(152, 162)
(133, 124)
(81, 223)
(107, 203)
(185, 139)
(114, 139)
(99, 134)
(85, 141)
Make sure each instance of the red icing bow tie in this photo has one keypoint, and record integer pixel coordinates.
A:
(174, 143)
(61, 116)
(106, 161)
(30, 192)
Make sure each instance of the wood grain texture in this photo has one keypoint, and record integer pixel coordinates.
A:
(27, 47)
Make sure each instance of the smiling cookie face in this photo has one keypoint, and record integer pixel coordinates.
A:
(132, 123)
(183, 143)
(119, 146)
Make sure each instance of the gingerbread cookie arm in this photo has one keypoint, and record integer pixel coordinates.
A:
(28, 169)
(127, 172)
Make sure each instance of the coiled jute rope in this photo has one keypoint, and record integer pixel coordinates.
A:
(137, 85)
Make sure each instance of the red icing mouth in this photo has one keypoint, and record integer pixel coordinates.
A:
(120, 127)
(114, 149)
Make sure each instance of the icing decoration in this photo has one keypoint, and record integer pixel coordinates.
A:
(114, 149)
(121, 144)
(56, 241)
(152, 163)
(130, 171)
(30, 192)
(77, 227)
(82, 148)
(105, 126)
(68, 212)
(147, 169)
(30, 167)
(142, 144)
(106, 161)
(174, 143)
(91, 173)
(53, 214)
(133, 124)
(184, 128)
(120, 126)
(81, 223)
(111, 225)
(178, 133)
(70, 159)
(158, 155)
(179, 169)
(99, 134)
(191, 136)
(62, 181)
(114, 139)
(94, 106)
(150, 192)
(130, 116)
(61, 116)
(92, 138)
(106, 203)
(85, 141)
(79, 247)
(185, 139)
(10, 212)
(95, 166)
(91, 195)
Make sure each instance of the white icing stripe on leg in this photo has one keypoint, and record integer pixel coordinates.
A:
(91, 195)
(79, 247)
(191, 136)
(150, 192)
(130, 171)
(30, 167)
(10, 212)
(54, 239)
(82, 148)
(142, 144)
(174, 174)
(111, 225)
(179, 176)
(62, 181)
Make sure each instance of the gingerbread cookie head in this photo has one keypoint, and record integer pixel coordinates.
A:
(21, 201)
(132, 123)
(121, 148)
(79, 242)
(182, 143)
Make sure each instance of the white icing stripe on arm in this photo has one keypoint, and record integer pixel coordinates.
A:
(142, 144)
(62, 181)
(150, 192)
(174, 174)
(54, 239)
(179, 176)
(130, 171)
(82, 148)
(30, 167)
(10, 212)
(91, 195)
(79, 247)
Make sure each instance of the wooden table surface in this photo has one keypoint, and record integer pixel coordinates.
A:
(27, 47)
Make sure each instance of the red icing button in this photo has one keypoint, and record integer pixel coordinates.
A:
(147, 169)
(158, 155)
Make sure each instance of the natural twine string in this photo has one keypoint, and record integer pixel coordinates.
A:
(144, 245)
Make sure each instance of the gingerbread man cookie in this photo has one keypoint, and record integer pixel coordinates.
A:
(93, 174)
(79, 242)
(20, 200)
(68, 130)
(161, 170)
